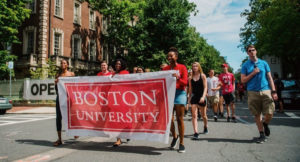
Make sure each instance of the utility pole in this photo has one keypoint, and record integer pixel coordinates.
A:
(10, 66)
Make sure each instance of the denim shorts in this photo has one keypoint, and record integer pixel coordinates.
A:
(180, 97)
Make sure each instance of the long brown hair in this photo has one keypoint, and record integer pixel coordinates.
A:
(199, 68)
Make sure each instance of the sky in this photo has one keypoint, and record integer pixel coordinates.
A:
(219, 22)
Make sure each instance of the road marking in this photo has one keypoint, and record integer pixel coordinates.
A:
(241, 120)
(292, 115)
(58, 152)
(17, 119)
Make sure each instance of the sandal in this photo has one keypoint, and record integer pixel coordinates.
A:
(117, 144)
(57, 143)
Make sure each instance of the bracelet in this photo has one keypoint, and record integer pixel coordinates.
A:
(272, 92)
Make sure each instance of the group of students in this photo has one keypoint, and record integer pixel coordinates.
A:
(200, 89)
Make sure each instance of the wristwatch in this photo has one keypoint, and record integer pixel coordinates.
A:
(272, 92)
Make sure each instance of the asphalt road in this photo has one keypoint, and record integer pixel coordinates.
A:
(29, 137)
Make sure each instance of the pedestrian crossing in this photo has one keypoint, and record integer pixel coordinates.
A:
(24, 118)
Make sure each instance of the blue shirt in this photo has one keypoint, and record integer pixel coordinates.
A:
(260, 81)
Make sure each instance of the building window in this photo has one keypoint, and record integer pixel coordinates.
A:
(104, 25)
(77, 13)
(57, 44)
(92, 19)
(59, 6)
(31, 6)
(29, 40)
(92, 50)
(76, 46)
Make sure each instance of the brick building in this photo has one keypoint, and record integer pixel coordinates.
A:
(61, 29)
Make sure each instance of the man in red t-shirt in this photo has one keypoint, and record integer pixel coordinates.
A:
(104, 69)
(227, 82)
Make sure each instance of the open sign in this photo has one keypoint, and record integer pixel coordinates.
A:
(39, 89)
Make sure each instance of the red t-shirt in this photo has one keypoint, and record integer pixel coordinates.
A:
(123, 72)
(182, 82)
(227, 80)
(241, 87)
(106, 74)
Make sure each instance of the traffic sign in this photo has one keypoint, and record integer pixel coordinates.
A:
(10, 65)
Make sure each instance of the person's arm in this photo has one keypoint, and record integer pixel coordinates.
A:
(183, 80)
(190, 91)
(233, 82)
(205, 88)
(272, 86)
(245, 78)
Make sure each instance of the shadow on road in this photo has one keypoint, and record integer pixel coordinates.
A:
(226, 140)
(98, 146)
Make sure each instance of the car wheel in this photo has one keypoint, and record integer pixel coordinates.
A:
(2, 112)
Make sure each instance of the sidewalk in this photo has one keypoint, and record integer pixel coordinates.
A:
(31, 110)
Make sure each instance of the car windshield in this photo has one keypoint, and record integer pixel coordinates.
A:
(290, 84)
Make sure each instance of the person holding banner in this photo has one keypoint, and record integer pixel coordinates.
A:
(197, 97)
(139, 70)
(119, 68)
(180, 97)
(104, 69)
(62, 73)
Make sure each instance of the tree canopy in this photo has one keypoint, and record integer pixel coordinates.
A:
(273, 27)
(12, 15)
(146, 29)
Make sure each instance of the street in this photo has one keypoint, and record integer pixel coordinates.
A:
(29, 137)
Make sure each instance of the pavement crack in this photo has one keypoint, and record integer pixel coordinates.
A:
(257, 157)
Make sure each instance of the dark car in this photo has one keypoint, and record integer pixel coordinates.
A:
(291, 94)
(5, 104)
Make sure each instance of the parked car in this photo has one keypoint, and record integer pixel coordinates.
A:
(291, 94)
(5, 104)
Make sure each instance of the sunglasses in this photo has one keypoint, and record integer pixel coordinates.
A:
(252, 50)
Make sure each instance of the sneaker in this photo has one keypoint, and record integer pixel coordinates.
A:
(222, 115)
(205, 131)
(216, 118)
(266, 129)
(233, 119)
(228, 119)
(181, 148)
(196, 136)
(174, 143)
(261, 139)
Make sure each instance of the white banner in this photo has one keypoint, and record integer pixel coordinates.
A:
(133, 106)
(39, 89)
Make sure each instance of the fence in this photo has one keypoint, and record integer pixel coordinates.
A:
(17, 87)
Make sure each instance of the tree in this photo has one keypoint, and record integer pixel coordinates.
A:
(51, 69)
(273, 27)
(147, 29)
(4, 58)
(12, 14)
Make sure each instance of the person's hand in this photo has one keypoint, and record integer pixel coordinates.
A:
(274, 96)
(175, 75)
(256, 70)
(214, 89)
(201, 100)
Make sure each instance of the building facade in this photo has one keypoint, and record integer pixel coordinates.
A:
(61, 29)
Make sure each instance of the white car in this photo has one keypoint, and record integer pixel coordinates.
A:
(5, 104)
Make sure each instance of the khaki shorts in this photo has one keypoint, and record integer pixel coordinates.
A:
(213, 99)
(261, 102)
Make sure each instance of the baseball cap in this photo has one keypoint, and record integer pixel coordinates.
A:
(224, 65)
